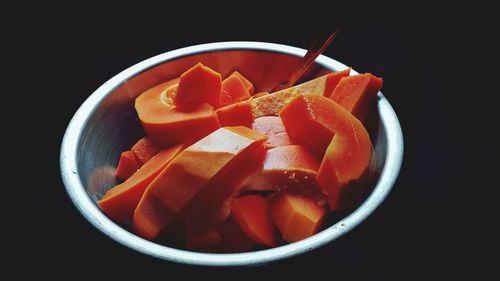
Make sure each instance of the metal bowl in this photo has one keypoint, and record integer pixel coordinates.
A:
(107, 124)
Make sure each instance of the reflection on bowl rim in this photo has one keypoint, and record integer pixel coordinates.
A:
(77, 193)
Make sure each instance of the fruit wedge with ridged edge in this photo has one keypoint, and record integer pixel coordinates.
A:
(349, 151)
(212, 205)
(206, 160)
(120, 201)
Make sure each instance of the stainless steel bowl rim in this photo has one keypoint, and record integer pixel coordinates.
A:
(92, 213)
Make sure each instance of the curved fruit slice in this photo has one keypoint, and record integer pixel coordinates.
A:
(120, 201)
(251, 212)
(198, 85)
(357, 93)
(212, 205)
(233, 90)
(166, 124)
(238, 114)
(296, 216)
(127, 165)
(305, 125)
(206, 160)
(274, 129)
(349, 151)
(144, 149)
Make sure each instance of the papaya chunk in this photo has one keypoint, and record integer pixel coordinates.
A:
(305, 125)
(198, 85)
(357, 93)
(233, 90)
(206, 160)
(349, 151)
(120, 201)
(127, 165)
(212, 205)
(144, 149)
(333, 79)
(292, 168)
(238, 114)
(251, 213)
(297, 217)
(223, 168)
(245, 81)
(274, 129)
(166, 124)
(151, 217)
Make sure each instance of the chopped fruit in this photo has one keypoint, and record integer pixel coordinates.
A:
(357, 94)
(144, 150)
(120, 201)
(224, 168)
(238, 114)
(246, 82)
(332, 80)
(166, 124)
(251, 212)
(198, 85)
(127, 165)
(296, 216)
(212, 205)
(284, 167)
(274, 129)
(233, 90)
(305, 124)
(204, 161)
(349, 151)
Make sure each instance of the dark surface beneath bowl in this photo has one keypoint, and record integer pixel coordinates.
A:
(423, 228)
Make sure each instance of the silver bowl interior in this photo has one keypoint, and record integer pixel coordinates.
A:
(106, 124)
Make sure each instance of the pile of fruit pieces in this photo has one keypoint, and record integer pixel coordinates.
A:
(225, 169)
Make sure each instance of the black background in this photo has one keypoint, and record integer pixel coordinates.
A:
(426, 228)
